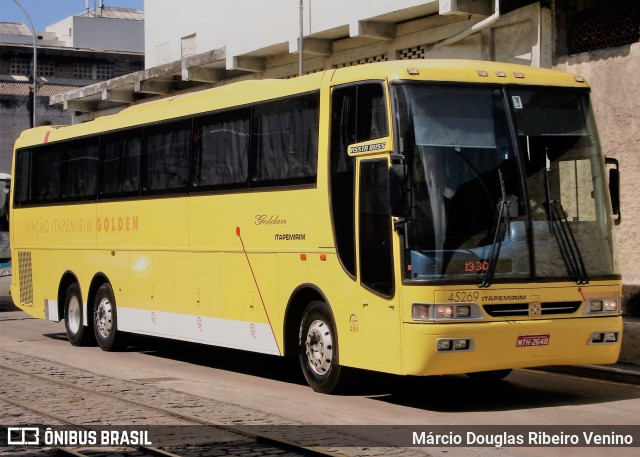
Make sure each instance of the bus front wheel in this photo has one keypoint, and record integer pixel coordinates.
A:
(77, 333)
(105, 319)
(318, 348)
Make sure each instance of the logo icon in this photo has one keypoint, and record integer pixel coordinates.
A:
(535, 309)
(21, 436)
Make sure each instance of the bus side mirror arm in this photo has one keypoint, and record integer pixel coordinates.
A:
(614, 187)
(398, 188)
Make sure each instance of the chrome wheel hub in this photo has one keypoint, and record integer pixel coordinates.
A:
(319, 347)
(74, 314)
(104, 318)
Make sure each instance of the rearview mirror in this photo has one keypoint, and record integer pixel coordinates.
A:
(614, 187)
(398, 186)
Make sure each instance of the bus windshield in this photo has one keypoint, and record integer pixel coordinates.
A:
(504, 184)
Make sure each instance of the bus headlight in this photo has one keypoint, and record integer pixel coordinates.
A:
(463, 311)
(610, 306)
(421, 312)
(444, 312)
(5, 272)
(595, 306)
(603, 306)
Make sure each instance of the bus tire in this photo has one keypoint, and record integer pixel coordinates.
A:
(318, 348)
(105, 319)
(489, 376)
(77, 333)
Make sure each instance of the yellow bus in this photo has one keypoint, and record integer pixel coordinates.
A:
(420, 217)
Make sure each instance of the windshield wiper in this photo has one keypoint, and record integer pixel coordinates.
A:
(502, 226)
(559, 226)
(567, 243)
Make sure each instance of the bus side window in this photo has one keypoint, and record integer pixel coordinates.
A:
(342, 179)
(372, 113)
(79, 170)
(45, 174)
(284, 136)
(376, 259)
(221, 150)
(167, 153)
(120, 164)
(358, 113)
(21, 178)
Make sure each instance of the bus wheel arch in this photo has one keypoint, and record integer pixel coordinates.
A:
(311, 334)
(298, 302)
(104, 314)
(70, 307)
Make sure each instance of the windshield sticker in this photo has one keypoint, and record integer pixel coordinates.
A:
(517, 102)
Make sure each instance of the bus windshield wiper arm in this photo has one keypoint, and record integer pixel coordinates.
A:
(502, 225)
(559, 226)
(567, 243)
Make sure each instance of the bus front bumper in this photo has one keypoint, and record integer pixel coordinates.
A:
(438, 349)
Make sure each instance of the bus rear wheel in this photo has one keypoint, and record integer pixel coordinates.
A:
(77, 333)
(318, 348)
(105, 319)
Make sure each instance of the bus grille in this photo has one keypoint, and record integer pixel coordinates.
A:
(25, 277)
(522, 309)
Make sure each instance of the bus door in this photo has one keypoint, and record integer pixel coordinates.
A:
(362, 224)
(380, 317)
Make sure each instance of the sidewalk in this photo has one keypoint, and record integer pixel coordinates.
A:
(620, 372)
(627, 370)
(631, 341)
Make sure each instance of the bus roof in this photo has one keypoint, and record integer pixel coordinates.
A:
(247, 92)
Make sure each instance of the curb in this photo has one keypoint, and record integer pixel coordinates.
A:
(622, 373)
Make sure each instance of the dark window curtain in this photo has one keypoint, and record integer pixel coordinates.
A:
(79, 171)
(167, 155)
(21, 178)
(222, 150)
(376, 256)
(372, 112)
(286, 141)
(120, 165)
(358, 113)
(343, 133)
(45, 174)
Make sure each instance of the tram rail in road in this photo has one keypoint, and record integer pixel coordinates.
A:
(227, 438)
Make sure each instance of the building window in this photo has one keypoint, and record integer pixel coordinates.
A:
(20, 66)
(83, 71)
(603, 24)
(188, 46)
(99, 71)
(104, 71)
(46, 68)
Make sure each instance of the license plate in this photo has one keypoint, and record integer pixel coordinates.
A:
(532, 340)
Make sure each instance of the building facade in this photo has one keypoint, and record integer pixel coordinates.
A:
(62, 65)
(600, 39)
